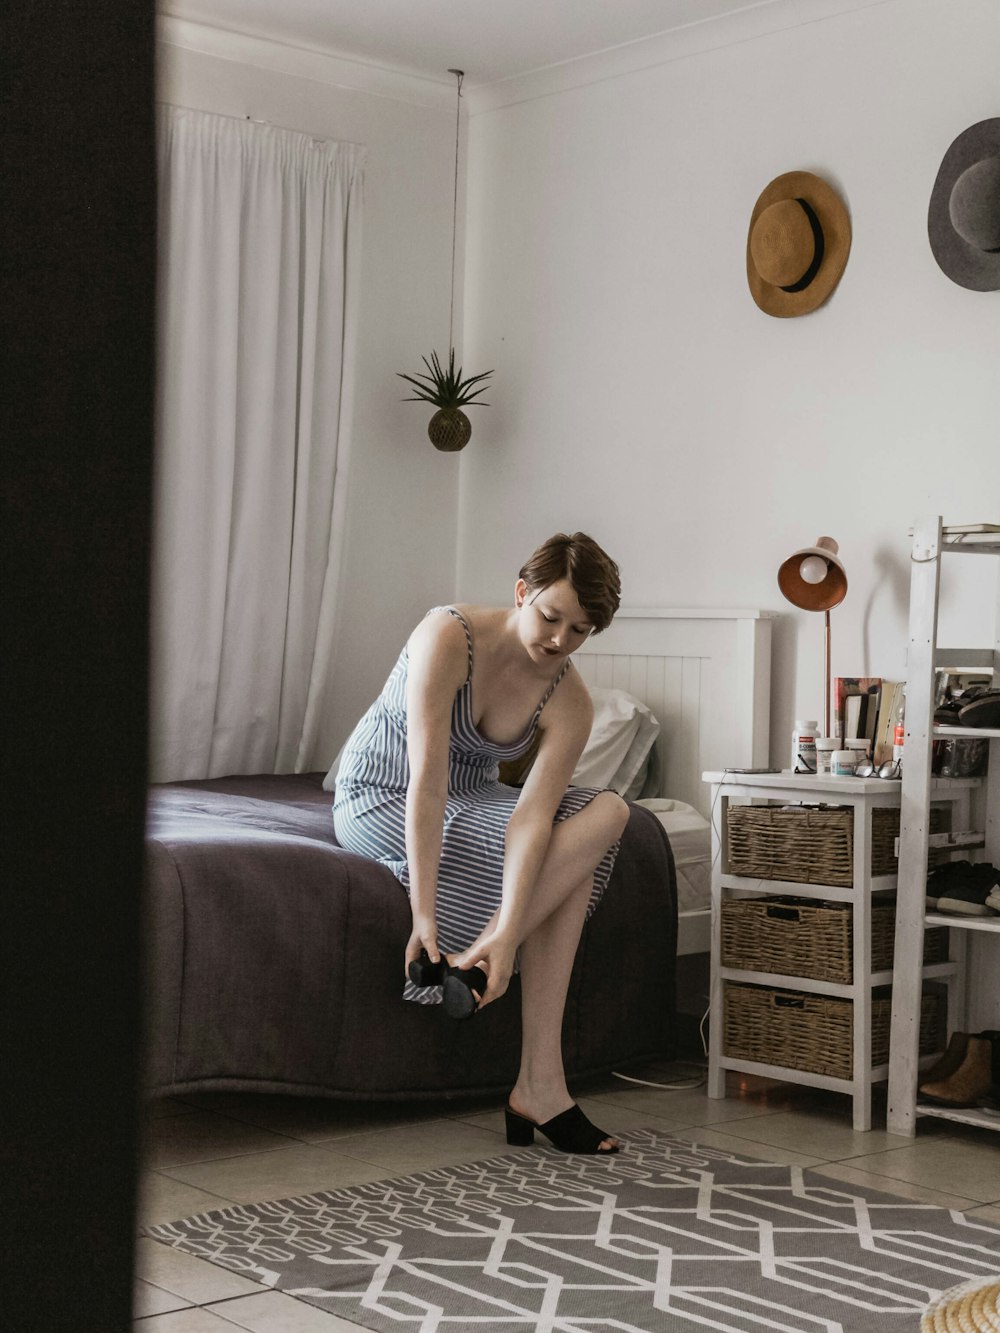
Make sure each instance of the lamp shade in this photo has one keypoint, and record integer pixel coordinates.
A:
(808, 594)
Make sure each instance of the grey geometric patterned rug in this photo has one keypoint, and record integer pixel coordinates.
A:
(664, 1237)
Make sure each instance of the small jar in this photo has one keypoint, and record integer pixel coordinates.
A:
(825, 747)
(804, 745)
(842, 763)
(858, 746)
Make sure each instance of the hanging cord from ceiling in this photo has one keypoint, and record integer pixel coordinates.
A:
(459, 76)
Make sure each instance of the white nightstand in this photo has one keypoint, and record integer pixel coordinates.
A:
(863, 796)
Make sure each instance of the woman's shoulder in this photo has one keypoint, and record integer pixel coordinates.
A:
(440, 639)
(570, 700)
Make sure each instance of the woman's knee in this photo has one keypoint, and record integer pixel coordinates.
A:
(614, 811)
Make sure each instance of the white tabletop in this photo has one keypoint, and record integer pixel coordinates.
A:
(825, 783)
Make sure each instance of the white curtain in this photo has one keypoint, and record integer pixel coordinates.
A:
(259, 248)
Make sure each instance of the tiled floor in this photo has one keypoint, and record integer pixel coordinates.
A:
(212, 1149)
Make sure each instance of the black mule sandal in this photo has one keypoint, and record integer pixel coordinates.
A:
(459, 983)
(422, 972)
(570, 1131)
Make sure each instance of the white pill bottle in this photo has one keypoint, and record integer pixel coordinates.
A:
(804, 745)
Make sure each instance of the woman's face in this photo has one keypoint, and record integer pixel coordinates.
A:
(552, 622)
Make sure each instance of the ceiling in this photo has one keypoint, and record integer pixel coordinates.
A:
(490, 40)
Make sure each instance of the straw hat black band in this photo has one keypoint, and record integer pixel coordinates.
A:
(797, 244)
(818, 247)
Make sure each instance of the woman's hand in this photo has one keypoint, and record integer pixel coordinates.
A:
(497, 951)
(423, 936)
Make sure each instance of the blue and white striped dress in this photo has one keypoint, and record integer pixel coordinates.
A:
(369, 808)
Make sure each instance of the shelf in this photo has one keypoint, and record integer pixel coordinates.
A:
(841, 989)
(944, 731)
(990, 924)
(876, 1075)
(926, 656)
(789, 888)
(951, 842)
(967, 1115)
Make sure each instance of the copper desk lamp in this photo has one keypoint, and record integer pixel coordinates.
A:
(813, 579)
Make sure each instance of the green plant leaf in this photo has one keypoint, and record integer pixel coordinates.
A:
(445, 388)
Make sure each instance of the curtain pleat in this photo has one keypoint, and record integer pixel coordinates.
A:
(259, 255)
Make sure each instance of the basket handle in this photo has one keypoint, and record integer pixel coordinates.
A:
(789, 1002)
(783, 913)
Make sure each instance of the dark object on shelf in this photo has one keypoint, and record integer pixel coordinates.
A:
(983, 710)
(977, 1076)
(962, 888)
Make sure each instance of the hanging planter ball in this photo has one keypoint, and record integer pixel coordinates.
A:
(449, 430)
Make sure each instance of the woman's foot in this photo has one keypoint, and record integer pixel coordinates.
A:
(544, 1110)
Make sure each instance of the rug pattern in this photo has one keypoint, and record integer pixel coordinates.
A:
(664, 1237)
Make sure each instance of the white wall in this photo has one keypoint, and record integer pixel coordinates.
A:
(642, 396)
(403, 494)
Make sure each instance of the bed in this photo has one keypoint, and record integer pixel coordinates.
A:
(274, 957)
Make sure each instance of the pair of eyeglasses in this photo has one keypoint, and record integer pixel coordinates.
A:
(892, 768)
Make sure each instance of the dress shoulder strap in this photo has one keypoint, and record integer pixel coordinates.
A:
(548, 693)
(454, 611)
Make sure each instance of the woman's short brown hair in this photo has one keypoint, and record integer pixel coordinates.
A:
(591, 571)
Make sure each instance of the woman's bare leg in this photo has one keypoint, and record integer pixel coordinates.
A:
(553, 924)
(575, 850)
(546, 960)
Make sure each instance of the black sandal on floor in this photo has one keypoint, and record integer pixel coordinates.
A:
(570, 1131)
(459, 983)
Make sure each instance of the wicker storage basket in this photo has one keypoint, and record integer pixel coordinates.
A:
(803, 938)
(813, 1033)
(809, 845)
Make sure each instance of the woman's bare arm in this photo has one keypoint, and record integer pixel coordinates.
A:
(567, 721)
(438, 666)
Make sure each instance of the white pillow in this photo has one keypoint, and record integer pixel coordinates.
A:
(620, 741)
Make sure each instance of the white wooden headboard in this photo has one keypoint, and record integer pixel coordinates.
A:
(706, 676)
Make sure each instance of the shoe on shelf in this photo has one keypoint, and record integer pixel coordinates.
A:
(958, 1044)
(570, 1131)
(974, 1078)
(963, 888)
(967, 900)
(980, 709)
(943, 877)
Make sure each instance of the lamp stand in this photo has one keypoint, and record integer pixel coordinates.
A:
(826, 675)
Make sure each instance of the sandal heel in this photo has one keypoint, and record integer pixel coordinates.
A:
(458, 998)
(520, 1132)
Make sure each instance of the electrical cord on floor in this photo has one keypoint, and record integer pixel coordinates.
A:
(683, 1081)
(675, 1085)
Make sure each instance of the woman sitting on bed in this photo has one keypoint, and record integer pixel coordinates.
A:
(495, 873)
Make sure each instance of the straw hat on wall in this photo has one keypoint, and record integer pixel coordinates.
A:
(797, 245)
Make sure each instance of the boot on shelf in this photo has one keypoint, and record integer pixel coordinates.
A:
(971, 1080)
(958, 1044)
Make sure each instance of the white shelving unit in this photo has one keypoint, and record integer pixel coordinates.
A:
(931, 542)
(863, 796)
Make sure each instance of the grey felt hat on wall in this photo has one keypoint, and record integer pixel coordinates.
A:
(963, 221)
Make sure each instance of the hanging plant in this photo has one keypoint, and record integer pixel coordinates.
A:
(449, 428)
